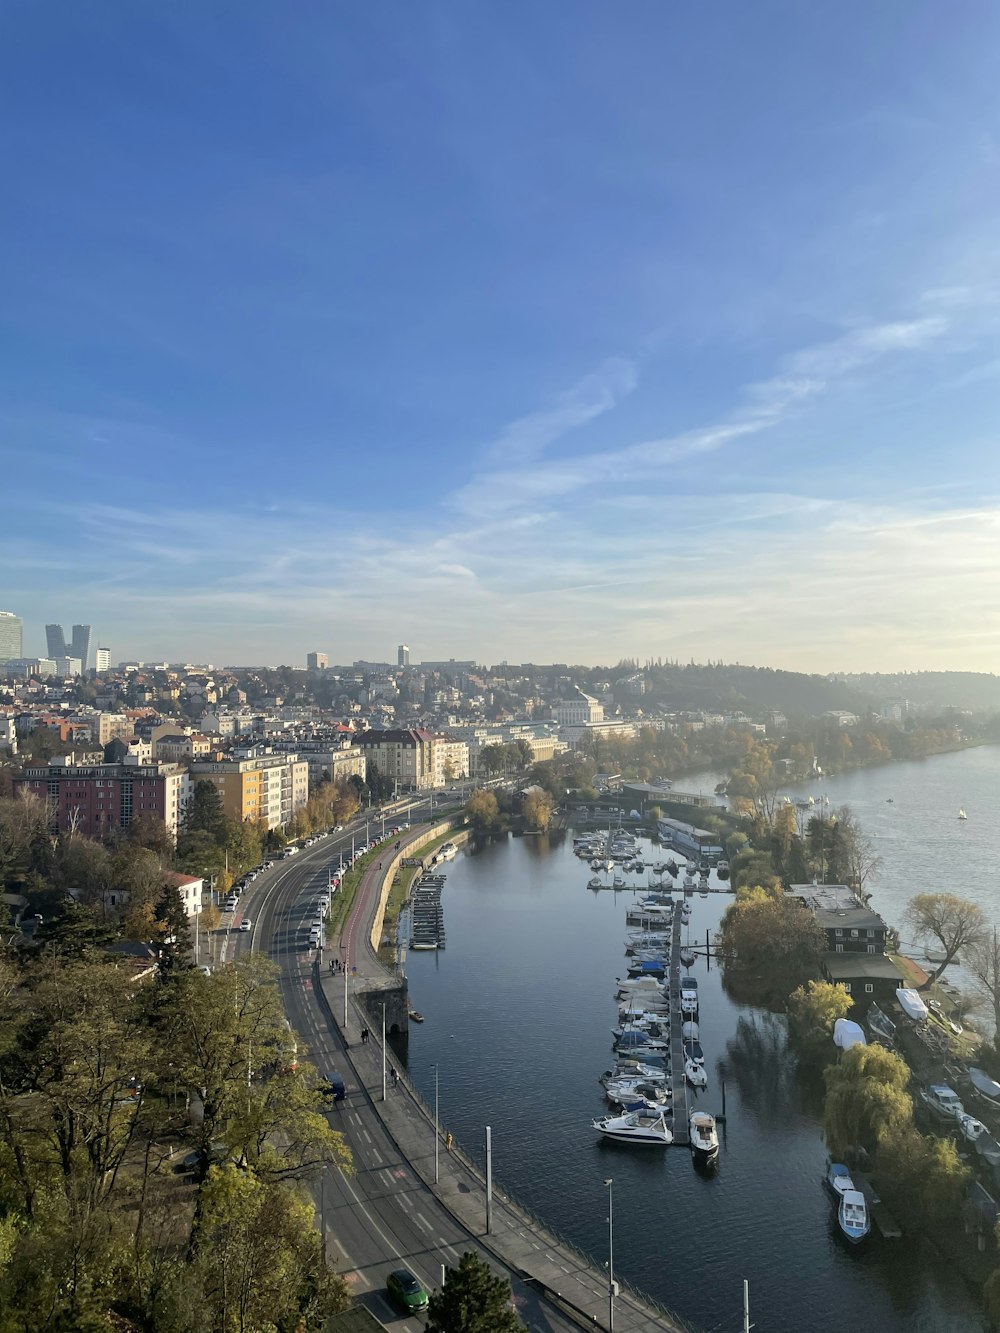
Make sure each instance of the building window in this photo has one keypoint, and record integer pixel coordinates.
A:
(840, 948)
(869, 988)
(838, 932)
(847, 986)
(854, 934)
(871, 934)
(872, 948)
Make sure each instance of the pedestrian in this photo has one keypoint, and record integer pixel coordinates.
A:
(333, 964)
(448, 1141)
(364, 1036)
(393, 1075)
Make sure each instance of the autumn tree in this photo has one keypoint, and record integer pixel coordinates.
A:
(867, 1103)
(923, 1176)
(813, 1010)
(482, 809)
(472, 1300)
(774, 940)
(981, 960)
(949, 921)
(536, 808)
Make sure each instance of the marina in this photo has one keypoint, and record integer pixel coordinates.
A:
(506, 995)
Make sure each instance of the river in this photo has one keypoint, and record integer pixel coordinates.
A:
(519, 1011)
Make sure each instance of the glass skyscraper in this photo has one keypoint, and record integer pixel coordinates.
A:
(11, 637)
(79, 645)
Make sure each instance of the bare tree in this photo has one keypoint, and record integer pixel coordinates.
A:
(982, 960)
(952, 922)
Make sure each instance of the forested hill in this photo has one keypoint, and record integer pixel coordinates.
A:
(978, 691)
(727, 688)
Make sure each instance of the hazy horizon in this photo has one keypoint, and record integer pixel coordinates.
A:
(552, 334)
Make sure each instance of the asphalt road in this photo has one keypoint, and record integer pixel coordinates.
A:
(381, 1216)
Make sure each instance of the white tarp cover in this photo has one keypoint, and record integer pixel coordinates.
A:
(911, 1003)
(847, 1034)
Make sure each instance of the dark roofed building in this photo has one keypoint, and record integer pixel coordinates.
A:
(866, 977)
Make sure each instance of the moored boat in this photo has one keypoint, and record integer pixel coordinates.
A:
(695, 1073)
(704, 1137)
(648, 1129)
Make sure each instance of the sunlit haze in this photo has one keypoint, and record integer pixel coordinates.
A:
(531, 332)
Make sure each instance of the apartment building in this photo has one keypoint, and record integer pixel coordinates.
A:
(96, 798)
(258, 785)
(404, 755)
(326, 759)
(113, 727)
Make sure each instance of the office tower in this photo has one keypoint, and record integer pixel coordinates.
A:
(55, 641)
(102, 659)
(403, 655)
(11, 636)
(317, 661)
(79, 645)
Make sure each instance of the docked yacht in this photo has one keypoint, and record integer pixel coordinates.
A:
(704, 1137)
(619, 880)
(687, 956)
(690, 1030)
(852, 1210)
(695, 1073)
(626, 1069)
(595, 882)
(646, 1128)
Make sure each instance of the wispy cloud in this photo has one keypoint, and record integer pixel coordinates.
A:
(594, 395)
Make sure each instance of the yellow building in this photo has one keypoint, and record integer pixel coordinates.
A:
(266, 787)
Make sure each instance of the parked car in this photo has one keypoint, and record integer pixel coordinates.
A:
(405, 1290)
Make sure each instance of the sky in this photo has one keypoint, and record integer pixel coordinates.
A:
(563, 332)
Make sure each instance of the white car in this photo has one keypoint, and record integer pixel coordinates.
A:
(246, 924)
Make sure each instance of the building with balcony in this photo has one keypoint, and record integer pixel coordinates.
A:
(258, 785)
(96, 799)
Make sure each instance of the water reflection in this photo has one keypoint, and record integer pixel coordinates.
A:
(758, 1061)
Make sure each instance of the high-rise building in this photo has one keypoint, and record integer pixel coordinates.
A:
(11, 636)
(317, 661)
(102, 659)
(79, 645)
(403, 655)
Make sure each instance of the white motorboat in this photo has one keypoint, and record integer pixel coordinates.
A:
(689, 1003)
(595, 882)
(943, 1101)
(852, 1210)
(625, 1088)
(970, 1128)
(624, 1069)
(695, 1074)
(690, 1031)
(619, 880)
(704, 1137)
(646, 1128)
(632, 985)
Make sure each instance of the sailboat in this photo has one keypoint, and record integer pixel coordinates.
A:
(962, 815)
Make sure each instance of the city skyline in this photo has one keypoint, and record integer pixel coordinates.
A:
(659, 333)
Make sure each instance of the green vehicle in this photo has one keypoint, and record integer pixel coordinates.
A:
(405, 1290)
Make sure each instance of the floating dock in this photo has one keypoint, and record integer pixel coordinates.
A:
(678, 1082)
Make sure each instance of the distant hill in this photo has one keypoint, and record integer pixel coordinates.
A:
(977, 691)
(753, 690)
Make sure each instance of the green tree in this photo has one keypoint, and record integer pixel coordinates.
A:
(262, 1256)
(923, 1176)
(149, 831)
(482, 809)
(949, 921)
(205, 812)
(866, 1099)
(472, 1300)
(813, 1010)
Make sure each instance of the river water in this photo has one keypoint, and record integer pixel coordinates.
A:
(519, 1011)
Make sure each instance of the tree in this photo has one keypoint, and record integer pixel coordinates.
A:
(952, 922)
(774, 940)
(472, 1300)
(482, 809)
(813, 1010)
(866, 1099)
(149, 831)
(853, 860)
(923, 1176)
(264, 1268)
(537, 809)
(204, 812)
(981, 960)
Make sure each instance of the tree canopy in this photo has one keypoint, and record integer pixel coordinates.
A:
(866, 1102)
(472, 1300)
(813, 1010)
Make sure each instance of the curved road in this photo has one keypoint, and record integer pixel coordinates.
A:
(382, 1215)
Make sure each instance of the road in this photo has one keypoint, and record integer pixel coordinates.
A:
(383, 1215)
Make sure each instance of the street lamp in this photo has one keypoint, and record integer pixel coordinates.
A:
(611, 1255)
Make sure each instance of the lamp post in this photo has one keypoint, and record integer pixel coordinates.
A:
(611, 1255)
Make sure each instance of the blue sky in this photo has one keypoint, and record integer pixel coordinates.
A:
(553, 332)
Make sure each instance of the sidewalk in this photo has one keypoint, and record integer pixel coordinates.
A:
(517, 1239)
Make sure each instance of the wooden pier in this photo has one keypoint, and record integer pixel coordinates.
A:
(678, 1082)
